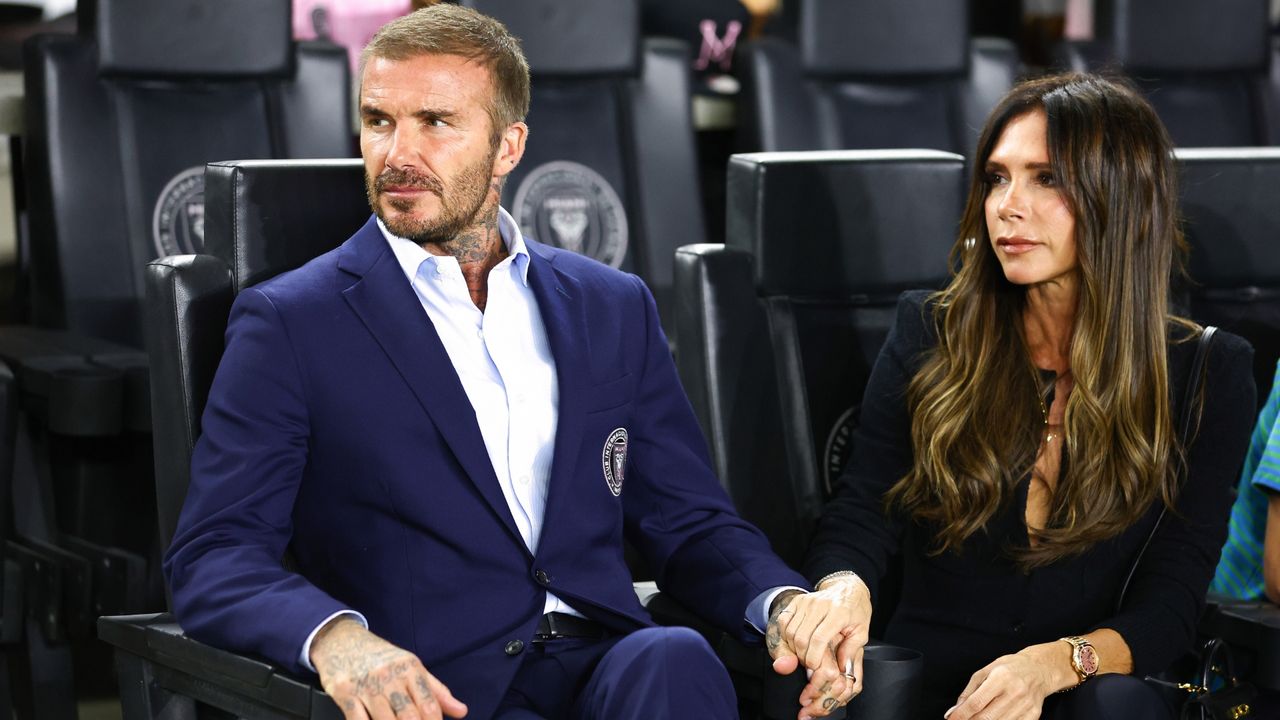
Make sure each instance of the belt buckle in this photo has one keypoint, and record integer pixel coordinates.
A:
(552, 633)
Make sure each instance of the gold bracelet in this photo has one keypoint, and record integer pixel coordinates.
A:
(836, 574)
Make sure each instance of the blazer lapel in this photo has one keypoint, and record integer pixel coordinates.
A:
(390, 309)
(560, 304)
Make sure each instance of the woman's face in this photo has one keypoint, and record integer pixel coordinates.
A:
(1031, 228)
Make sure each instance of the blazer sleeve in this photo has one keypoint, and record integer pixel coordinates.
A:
(1167, 593)
(675, 510)
(224, 565)
(855, 532)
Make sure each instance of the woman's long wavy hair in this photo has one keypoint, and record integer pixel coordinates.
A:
(976, 422)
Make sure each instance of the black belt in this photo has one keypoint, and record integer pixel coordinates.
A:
(554, 626)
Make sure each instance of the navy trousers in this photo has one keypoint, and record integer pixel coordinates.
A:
(1112, 696)
(651, 673)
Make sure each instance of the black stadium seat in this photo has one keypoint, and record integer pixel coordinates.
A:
(1209, 68)
(874, 74)
(610, 170)
(1231, 207)
(120, 119)
(262, 218)
(779, 328)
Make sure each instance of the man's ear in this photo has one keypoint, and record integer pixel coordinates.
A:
(510, 149)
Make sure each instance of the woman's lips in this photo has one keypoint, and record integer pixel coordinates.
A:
(1016, 245)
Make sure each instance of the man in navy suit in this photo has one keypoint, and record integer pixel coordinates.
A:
(452, 427)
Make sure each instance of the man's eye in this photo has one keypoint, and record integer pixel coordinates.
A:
(376, 122)
(437, 122)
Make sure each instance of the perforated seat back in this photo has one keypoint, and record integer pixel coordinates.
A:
(610, 169)
(875, 74)
(1231, 204)
(120, 121)
(779, 329)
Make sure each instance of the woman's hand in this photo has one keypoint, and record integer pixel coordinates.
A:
(823, 631)
(1014, 686)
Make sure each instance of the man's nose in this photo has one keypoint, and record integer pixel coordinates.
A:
(404, 152)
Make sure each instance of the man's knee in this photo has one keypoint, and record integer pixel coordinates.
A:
(667, 645)
(659, 672)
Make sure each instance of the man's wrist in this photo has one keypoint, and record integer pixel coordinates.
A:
(837, 576)
(337, 625)
(781, 601)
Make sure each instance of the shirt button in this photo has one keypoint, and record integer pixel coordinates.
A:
(480, 334)
(1017, 628)
(524, 479)
(515, 647)
(542, 577)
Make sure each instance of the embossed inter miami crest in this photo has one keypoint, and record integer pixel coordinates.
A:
(837, 451)
(614, 460)
(177, 225)
(571, 206)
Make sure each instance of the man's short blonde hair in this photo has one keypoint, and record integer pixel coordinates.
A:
(447, 29)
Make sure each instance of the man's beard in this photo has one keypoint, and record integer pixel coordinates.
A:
(460, 207)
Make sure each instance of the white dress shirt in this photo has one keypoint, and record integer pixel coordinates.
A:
(502, 357)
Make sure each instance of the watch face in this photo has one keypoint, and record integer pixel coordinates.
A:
(1088, 659)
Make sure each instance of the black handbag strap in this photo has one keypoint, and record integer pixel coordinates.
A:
(1184, 428)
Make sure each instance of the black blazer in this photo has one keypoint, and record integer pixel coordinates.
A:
(965, 609)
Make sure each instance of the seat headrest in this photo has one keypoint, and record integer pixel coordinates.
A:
(884, 37)
(572, 37)
(1231, 205)
(191, 38)
(1189, 35)
(845, 223)
(263, 217)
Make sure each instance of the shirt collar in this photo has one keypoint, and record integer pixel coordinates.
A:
(411, 255)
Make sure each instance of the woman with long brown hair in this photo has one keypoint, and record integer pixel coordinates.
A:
(1020, 435)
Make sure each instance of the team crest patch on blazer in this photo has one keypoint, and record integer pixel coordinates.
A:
(571, 206)
(614, 459)
(177, 223)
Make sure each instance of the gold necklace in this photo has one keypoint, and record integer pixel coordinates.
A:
(1044, 415)
(1049, 435)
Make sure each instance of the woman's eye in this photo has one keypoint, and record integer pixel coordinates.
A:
(1047, 179)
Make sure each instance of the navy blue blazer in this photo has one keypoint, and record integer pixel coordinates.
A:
(336, 427)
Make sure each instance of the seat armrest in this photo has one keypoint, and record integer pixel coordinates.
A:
(78, 385)
(165, 663)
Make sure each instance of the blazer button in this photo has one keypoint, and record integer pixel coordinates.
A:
(515, 647)
(542, 577)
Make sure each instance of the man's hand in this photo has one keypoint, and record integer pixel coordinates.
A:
(824, 631)
(371, 679)
(1015, 686)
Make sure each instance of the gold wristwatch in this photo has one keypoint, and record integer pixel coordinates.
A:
(1084, 658)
